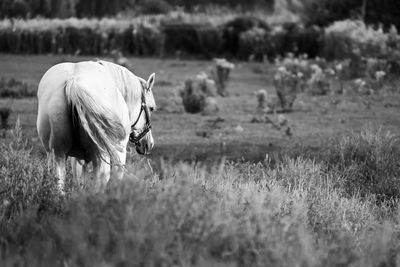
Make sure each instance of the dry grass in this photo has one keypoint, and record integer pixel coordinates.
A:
(236, 214)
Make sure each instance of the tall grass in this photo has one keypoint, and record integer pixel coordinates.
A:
(234, 214)
(368, 163)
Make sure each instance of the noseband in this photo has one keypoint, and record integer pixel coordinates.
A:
(147, 127)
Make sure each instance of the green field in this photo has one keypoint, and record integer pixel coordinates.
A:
(218, 190)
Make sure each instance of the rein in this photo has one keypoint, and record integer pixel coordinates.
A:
(147, 127)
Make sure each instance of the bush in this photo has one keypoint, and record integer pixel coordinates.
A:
(289, 80)
(24, 182)
(296, 39)
(191, 39)
(221, 74)
(154, 7)
(195, 93)
(253, 43)
(81, 36)
(367, 163)
(233, 29)
(14, 88)
(355, 40)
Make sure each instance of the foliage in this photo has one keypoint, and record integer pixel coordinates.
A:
(295, 38)
(104, 8)
(179, 33)
(86, 36)
(24, 181)
(221, 75)
(16, 89)
(358, 42)
(243, 213)
(348, 38)
(289, 77)
(154, 7)
(253, 44)
(367, 163)
(325, 12)
(236, 27)
(191, 39)
(195, 93)
(297, 211)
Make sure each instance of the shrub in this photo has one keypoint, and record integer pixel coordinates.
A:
(355, 40)
(318, 83)
(220, 74)
(24, 181)
(154, 7)
(16, 89)
(253, 43)
(147, 40)
(195, 92)
(296, 39)
(191, 39)
(289, 80)
(367, 163)
(233, 29)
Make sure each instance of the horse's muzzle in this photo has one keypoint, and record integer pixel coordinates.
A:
(144, 148)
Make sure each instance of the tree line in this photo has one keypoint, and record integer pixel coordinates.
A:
(101, 8)
(314, 12)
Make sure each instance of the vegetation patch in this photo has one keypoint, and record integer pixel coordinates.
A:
(367, 163)
(235, 213)
(14, 88)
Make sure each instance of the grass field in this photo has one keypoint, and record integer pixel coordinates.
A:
(327, 195)
(178, 135)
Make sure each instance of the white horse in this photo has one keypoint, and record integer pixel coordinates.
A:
(89, 111)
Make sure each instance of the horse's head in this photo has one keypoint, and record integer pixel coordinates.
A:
(141, 129)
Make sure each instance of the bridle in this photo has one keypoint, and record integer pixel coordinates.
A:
(147, 127)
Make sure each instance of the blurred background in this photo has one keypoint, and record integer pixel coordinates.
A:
(198, 28)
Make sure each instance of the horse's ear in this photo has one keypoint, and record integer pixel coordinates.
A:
(150, 81)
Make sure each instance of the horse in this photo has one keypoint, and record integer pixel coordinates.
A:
(89, 111)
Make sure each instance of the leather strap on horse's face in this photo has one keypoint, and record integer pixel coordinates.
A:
(147, 127)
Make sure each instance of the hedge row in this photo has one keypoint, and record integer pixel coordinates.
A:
(238, 38)
(242, 38)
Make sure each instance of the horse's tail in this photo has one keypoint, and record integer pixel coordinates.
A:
(101, 124)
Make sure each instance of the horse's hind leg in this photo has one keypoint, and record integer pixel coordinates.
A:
(79, 171)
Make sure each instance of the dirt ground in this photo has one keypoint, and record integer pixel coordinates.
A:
(315, 123)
